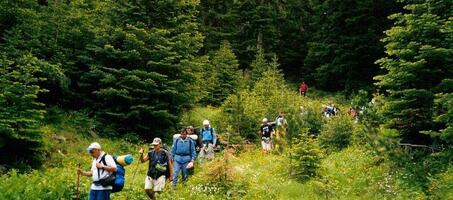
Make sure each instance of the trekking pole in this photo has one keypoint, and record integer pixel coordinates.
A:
(78, 182)
(133, 176)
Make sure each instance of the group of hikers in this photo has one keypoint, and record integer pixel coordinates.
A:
(163, 165)
(166, 164)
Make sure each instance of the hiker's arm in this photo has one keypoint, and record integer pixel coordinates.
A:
(107, 167)
(83, 173)
(214, 137)
(194, 153)
(143, 158)
(170, 165)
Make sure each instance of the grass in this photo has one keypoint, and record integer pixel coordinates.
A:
(351, 173)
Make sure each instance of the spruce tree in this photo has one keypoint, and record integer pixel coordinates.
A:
(21, 143)
(419, 52)
(141, 73)
(225, 72)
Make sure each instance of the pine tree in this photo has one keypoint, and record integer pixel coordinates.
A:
(419, 50)
(21, 142)
(258, 66)
(141, 72)
(225, 72)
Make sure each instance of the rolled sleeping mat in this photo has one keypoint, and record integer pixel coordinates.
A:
(124, 160)
(193, 136)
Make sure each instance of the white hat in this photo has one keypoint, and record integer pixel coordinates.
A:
(264, 120)
(156, 141)
(94, 145)
(206, 122)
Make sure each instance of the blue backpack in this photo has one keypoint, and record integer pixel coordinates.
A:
(119, 181)
(118, 185)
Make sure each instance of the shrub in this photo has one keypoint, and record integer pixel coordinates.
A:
(306, 155)
(336, 133)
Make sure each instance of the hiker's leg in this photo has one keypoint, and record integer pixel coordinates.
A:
(176, 169)
(92, 195)
(148, 187)
(210, 151)
(202, 153)
(100, 194)
(150, 194)
(184, 172)
(104, 194)
(159, 184)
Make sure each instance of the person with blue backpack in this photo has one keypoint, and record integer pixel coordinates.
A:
(209, 140)
(103, 171)
(159, 167)
(184, 155)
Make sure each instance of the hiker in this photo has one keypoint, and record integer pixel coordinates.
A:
(281, 125)
(209, 139)
(184, 155)
(103, 168)
(159, 167)
(267, 132)
(330, 110)
(303, 88)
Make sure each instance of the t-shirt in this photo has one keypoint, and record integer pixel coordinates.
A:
(102, 173)
(266, 130)
(157, 157)
(280, 121)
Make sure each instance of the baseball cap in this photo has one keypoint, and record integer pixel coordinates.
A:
(156, 141)
(94, 145)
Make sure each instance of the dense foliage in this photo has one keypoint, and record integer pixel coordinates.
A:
(418, 66)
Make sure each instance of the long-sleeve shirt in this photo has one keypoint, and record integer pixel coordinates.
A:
(183, 150)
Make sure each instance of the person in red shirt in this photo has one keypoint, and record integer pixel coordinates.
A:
(303, 88)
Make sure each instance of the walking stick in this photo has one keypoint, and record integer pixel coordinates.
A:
(78, 182)
(133, 176)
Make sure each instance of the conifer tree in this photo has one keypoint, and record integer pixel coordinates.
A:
(226, 75)
(21, 143)
(419, 59)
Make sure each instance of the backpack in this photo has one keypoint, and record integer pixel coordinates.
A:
(190, 142)
(211, 130)
(109, 180)
(118, 183)
(168, 155)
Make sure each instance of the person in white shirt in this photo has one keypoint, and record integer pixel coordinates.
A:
(102, 166)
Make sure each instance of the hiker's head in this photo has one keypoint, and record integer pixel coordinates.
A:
(183, 133)
(265, 121)
(94, 149)
(280, 114)
(206, 123)
(156, 143)
(189, 130)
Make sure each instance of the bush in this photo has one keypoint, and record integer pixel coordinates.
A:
(306, 155)
(336, 133)
(441, 186)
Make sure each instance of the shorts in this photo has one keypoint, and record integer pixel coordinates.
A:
(157, 185)
(266, 144)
